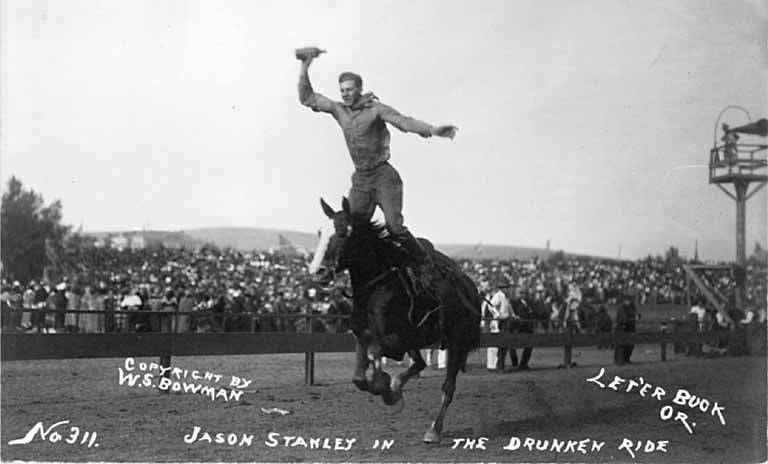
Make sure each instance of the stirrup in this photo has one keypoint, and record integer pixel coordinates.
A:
(411, 246)
(416, 283)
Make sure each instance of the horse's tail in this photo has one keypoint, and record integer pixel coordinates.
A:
(471, 300)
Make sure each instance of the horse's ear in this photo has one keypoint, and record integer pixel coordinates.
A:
(345, 205)
(327, 209)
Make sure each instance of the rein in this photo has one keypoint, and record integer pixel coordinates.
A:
(379, 277)
(384, 275)
(367, 287)
(406, 287)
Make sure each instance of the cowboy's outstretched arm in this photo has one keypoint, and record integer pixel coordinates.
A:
(408, 124)
(307, 95)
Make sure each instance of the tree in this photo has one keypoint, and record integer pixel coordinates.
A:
(31, 233)
(759, 256)
(672, 258)
(556, 258)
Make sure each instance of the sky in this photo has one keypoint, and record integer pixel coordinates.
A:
(587, 123)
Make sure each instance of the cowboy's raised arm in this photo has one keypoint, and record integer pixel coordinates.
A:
(307, 96)
(408, 124)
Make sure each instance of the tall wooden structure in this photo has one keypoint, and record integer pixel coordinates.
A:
(740, 164)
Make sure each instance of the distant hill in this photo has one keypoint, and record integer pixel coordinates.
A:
(174, 239)
(239, 238)
(251, 238)
(262, 239)
(492, 251)
(247, 238)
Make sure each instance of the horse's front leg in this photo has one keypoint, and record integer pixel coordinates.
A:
(361, 362)
(399, 381)
(380, 379)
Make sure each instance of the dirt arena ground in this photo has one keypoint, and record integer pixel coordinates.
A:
(545, 403)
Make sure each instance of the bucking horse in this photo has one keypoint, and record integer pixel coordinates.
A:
(394, 311)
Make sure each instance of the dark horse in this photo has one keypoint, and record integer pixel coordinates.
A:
(390, 318)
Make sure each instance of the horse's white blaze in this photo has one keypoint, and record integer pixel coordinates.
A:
(322, 246)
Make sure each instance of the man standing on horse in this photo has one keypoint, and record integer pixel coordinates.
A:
(363, 121)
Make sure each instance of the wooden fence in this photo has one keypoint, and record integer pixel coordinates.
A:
(35, 346)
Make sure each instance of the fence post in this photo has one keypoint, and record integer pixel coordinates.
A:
(309, 361)
(165, 361)
(618, 350)
(568, 349)
(166, 322)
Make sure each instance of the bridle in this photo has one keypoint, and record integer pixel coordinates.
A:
(343, 233)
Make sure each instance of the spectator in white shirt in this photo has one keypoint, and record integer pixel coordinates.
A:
(502, 307)
(488, 310)
(700, 312)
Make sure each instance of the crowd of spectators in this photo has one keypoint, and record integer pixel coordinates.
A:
(229, 290)
(221, 290)
(577, 290)
(723, 282)
(601, 280)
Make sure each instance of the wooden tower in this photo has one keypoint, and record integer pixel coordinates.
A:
(740, 164)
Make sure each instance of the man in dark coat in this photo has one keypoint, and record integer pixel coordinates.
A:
(626, 318)
(59, 300)
(110, 303)
(522, 307)
(41, 303)
(541, 309)
(340, 307)
(603, 324)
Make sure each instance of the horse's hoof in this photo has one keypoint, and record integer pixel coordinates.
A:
(380, 383)
(391, 397)
(396, 384)
(361, 384)
(432, 436)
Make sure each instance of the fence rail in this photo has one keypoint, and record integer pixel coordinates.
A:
(167, 342)
(169, 315)
(18, 347)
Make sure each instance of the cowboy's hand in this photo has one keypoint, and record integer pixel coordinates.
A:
(445, 131)
(306, 60)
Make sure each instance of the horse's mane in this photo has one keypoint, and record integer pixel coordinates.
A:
(377, 236)
(369, 228)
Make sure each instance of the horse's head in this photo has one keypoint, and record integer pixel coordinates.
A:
(327, 260)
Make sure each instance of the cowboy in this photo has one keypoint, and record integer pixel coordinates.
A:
(363, 120)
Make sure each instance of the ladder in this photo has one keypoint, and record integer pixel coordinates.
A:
(713, 296)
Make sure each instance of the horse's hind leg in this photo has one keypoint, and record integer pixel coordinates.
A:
(456, 361)
(380, 380)
(361, 362)
(399, 381)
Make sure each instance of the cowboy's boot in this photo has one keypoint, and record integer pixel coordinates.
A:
(417, 258)
(427, 277)
(412, 246)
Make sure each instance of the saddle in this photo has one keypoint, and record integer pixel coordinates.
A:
(436, 276)
(417, 272)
